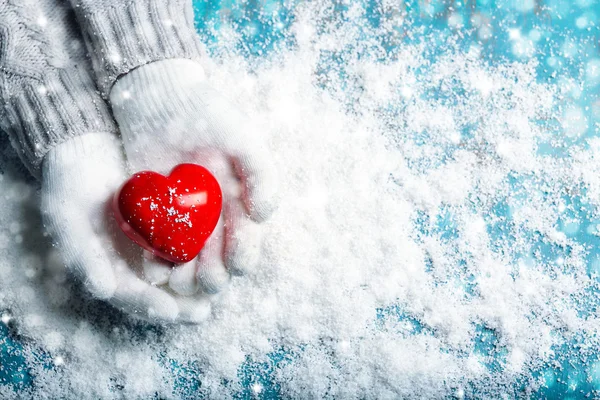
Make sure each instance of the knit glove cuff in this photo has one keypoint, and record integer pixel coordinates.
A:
(123, 35)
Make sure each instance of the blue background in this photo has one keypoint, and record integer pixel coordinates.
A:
(562, 35)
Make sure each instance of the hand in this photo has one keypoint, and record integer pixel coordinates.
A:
(168, 114)
(79, 178)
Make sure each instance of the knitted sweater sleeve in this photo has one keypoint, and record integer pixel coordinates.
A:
(122, 35)
(47, 94)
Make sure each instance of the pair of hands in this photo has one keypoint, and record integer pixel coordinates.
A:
(167, 115)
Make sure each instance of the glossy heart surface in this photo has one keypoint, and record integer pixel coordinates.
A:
(171, 216)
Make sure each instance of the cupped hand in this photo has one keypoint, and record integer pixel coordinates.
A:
(168, 114)
(79, 178)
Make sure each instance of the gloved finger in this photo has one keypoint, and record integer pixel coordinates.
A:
(211, 274)
(156, 270)
(137, 297)
(193, 310)
(243, 239)
(257, 172)
(183, 278)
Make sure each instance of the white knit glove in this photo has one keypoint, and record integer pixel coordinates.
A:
(79, 178)
(168, 114)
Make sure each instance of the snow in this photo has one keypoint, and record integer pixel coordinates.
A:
(388, 260)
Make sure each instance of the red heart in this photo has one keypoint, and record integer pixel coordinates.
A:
(170, 216)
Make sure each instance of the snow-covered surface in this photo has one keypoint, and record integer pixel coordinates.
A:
(436, 237)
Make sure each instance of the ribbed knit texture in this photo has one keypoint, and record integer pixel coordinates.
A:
(122, 35)
(46, 94)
